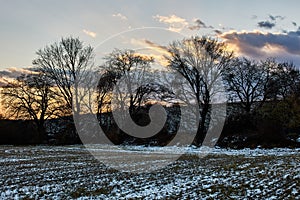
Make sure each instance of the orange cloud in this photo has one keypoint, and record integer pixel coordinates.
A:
(120, 16)
(158, 52)
(150, 45)
(175, 23)
(12, 73)
(260, 45)
(90, 33)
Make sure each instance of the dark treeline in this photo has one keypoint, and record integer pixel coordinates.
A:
(263, 106)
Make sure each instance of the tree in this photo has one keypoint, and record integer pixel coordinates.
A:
(32, 96)
(284, 95)
(130, 68)
(252, 83)
(66, 63)
(285, 81)
(200, 61)
(104, 89)
(126, 85)
(145, 92)
(249, 82)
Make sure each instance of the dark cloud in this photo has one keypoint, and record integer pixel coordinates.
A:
(218, 32)
(13, 73)
(294, 23)
(289, 42)
(266, 24)
(274, 18)
(198, 24)
(263, 45)
(195, 27)
(155, 45)
(294, 33)
(270, 22)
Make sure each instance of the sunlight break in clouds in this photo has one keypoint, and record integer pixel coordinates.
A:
(13, 73)
(90, 33)
(158, 52)
(149, 44)
(258, 44)
(119, 15)
(176, 24)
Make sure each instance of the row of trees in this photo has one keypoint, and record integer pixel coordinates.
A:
(208, 68)
(49, 90)
(252, 83)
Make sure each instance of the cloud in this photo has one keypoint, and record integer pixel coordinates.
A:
(12, 73)
(218, 32)
(270, 22)
(159, 48)
(90, 33)
(260, 45)
(266, 24)
(121, 16)
(157, 51)
(274, 18)
(149, 44)
(254, 17)
(174, 22)
(171, 19)
(177, 24)
(198, 24)
(294, 33)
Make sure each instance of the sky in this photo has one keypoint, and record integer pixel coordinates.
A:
(257, 29)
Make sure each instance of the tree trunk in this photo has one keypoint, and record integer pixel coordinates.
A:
(202, 130)
(41, 134)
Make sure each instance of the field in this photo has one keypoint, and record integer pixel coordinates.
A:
(70, 172)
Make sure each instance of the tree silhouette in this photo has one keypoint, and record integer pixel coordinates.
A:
(285, 81)
(32, 96)
(126, 86)
(66, 63)
(104, 89)
(248, 82)
(201, 61)
(132, 69)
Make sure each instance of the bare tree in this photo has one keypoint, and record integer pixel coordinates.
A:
(250, 83)
(126, 85)
(104, 89)
(284, 82)
(66, 63)
(32, 96)
(154, 91)
(200, 61)
(132, 68)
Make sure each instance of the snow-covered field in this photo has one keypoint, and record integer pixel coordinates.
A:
(70, 172)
